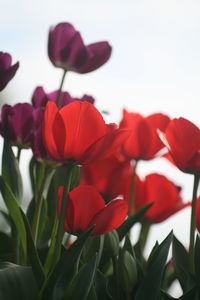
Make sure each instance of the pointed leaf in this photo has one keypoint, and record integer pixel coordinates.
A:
(181, 265)
(14, 212)
(65, 268)
(10, 171)
(132, 220)
(82, 282)
(151, 285)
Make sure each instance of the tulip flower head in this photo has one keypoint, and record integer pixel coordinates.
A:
(17, 124)
(40, 98)
(7, 71)
(76, 133)
(182, 139)
(85, 208)
(164, 195)
(66, 50)
(143, 142)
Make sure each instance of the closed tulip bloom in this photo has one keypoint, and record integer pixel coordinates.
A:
(182, 138)
(164, 195)
(85, 208)
(110, 176)
(7, 70)
(66, 50)
(143, 142)
(40, 98)
(17, 124)
(76, 133)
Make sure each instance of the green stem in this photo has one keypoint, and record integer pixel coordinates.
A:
(132, 190)
(60, 230)
(116, 276)
(18, 154)
(38, 209)
(144, 233)
(193, 222)
(59, 98)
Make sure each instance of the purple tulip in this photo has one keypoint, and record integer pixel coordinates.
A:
(40, 97)
(7, 71)
(67, 51)
(17, 124)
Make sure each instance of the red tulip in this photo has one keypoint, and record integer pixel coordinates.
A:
(182, 138)
(76, 132)
(85, 208)
(109, 176)
(143, 141)
(163, 193)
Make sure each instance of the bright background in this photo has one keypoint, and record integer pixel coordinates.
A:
(155, 65)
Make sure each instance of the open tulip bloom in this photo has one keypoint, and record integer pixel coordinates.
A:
(73, 239)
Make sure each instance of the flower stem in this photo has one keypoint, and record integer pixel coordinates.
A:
(132, 190)
(59, 98)
(116, 276)
(193, 222)
(144, 232)
(38, 209)
(18, 154)
(60, 230)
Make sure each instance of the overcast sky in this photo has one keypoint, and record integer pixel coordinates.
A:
(155, 64)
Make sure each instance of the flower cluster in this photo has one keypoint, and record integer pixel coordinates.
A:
(74, 241)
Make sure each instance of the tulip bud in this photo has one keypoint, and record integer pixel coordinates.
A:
(111, 244)
(127, 271)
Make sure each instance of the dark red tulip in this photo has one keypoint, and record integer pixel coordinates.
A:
(17, 124)
(76, 132)
(163, 193)
(7, 70)
(182, 138)
(40, 97)
(143, 141)
(110, 176)
(66, 50)
(85, 208)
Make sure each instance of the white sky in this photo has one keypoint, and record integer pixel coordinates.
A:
(155, 65)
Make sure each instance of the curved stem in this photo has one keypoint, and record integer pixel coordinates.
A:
(38, 209)
(193, 222)
(59, 98)
(132, 190)
(144, 233)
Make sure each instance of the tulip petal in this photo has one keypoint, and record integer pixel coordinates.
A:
(84, 125)
(100, 53)
(110, 217)
(183, 138)
(86, 202)
(48, 123)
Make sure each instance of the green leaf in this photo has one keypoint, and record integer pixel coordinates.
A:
(33, 255)
(17, 282)
(65, 269)
(181, 263)
(10, 171)
(132, 220)
(151, 285)
(197, 257)
(102, 287)
(14, 212)
(82, 282)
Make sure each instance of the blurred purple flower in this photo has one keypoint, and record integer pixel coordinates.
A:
(17, 124)
(40, 97)
(67, 51)
(7, 71)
